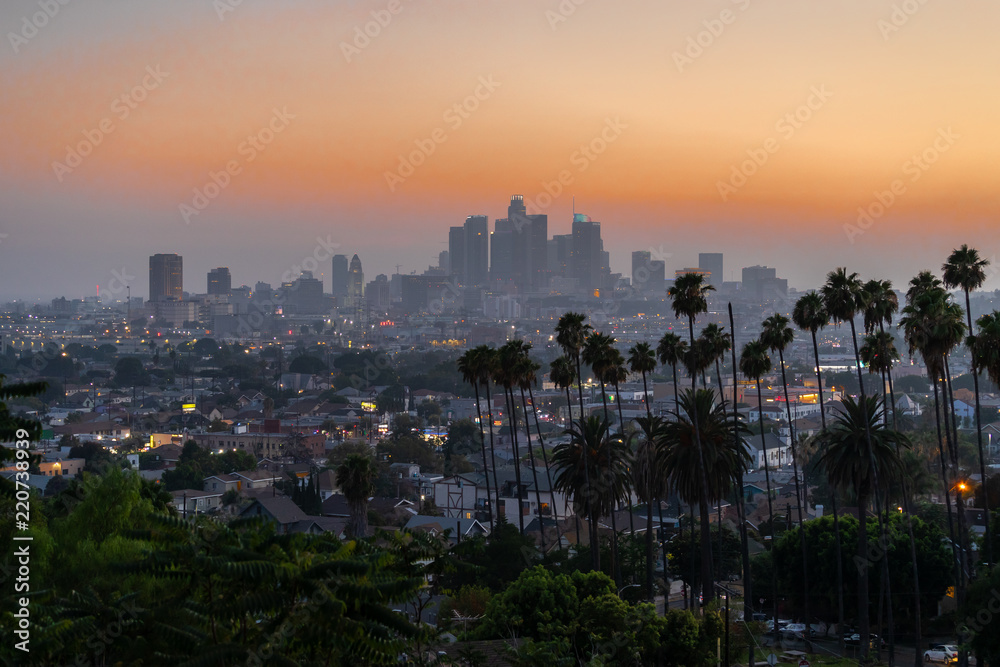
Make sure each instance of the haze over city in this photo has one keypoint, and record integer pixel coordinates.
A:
(694, 91)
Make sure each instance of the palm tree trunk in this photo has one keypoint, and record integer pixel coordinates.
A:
(944, 482)
(615, 570)
(963, 551)
(509, 398)
(595, 551)
(862, 560)
(493, 455)
(770, 507)
(707, 585)
(621, 421)
(534, 473)
(663, 552)
(482, 440)
(799, 495)
(979, 444)
(833, 502)
(740, 499)
(649, 506)
(548, 472)
(569, 408)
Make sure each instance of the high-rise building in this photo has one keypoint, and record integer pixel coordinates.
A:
(530, 265)
(356, 280)
(340, 276)
(502, 252)
(648, 274)
(762, 283)
(444, 262)
(712, 261)
(166, 277)
(475, 261)
(377, 293)
(456, 253)
(587, 253)
(219, 281)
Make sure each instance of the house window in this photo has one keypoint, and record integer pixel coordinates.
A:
(468, 515)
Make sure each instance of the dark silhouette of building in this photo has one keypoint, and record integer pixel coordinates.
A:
(712, 262)
(476, 261)
(340, 276)
(763, 284)
(166, 277)
(356, 281)
(648, 274)
(588, 254)
(220, 282)
(456, 253)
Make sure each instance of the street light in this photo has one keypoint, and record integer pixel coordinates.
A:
(624, 587)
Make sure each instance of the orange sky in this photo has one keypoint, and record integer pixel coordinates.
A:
(677, 129)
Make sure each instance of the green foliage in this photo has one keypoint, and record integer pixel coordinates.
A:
(308, 365)
(129, 372)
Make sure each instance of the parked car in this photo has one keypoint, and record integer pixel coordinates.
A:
(946, 653)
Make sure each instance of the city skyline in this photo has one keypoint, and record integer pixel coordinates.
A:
(662, 128)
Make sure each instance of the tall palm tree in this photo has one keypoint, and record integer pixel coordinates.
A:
(469, 366)
(504, 374)
(599, 353)
(716, 342)
(881, 304)
(649, 482)
(562, 374)
(860, 453)
(689, 294)
(593, 468)
(487, 363)
(571, 335)
(966, 269)
(740, 498)
(356, 479)
(682, 453)
(777, 335)
(754, 363)
(671, 350)
(642, 359)
(524, 376)
(810, 315)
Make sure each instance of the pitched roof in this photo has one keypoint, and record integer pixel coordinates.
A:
(283, 510)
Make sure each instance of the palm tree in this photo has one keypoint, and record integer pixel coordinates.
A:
(740, 499)
(469, 366)
(593, 467)
(356, 479)
(967, 270)
(860, 453)
(878, 352)
(600, 354)
(649, 481)
(682, 454)
(571, 335)
(642, 359)
(810, 315)
(671, 350)
(562, 374)
(504, 374)
(754, 363)
(881, 304)
(523, 373)
(716, 343)
(689, 294)
(487, 362)
(777, 335)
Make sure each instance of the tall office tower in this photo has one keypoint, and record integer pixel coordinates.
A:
(763, 283)
(444, 262)
(712, 261)
(356, 280)
(377, 293)
(456, 253)
(476, 261)
(166, 278)
(561, 255)
(641, 259)
(531, 234)
(219, 281)
(587, 250)
(502, 252)
(340, 275)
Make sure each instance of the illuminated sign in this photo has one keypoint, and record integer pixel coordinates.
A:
(188, 407)
(368, 406)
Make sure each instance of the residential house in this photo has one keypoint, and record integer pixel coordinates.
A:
(779, 453)
(457, 528)
(194, 501)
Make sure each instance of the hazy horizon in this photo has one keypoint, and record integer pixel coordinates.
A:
(835, 107)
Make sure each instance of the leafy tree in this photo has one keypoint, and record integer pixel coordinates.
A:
(129, 372)
(308, 365)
